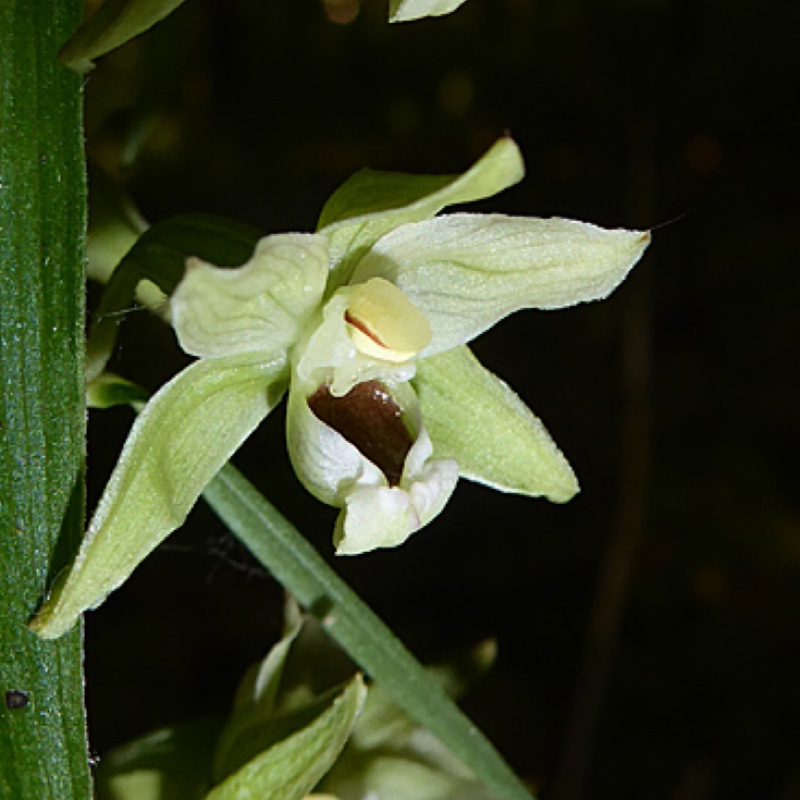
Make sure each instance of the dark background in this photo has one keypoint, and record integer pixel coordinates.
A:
(648, 630)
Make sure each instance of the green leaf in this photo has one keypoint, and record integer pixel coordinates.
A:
(177, 444)
(169, 764)
(466, 272)
(159, 255)
(370, 204)
(296, 564)
(252, 734)
(408, 10)
(112, 25)
(255, 702)
(290, 768)
(259, 688)
(382, 724)
(390, 756)
(43, 752)
(478, 420)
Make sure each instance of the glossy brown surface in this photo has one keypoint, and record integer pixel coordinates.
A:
(370, 419)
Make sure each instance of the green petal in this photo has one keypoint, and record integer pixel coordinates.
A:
(258, 307)
(465, 272)
(254, 704)
(179, 442)
(475, 418)
(408, 10)
(289, 769)
(371, 203)
(155, 265)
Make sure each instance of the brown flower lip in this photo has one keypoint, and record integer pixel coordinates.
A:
(371, 420)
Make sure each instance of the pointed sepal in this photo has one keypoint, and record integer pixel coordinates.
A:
(466, 272)
(184, 435)
(372, 203)
(477, 419)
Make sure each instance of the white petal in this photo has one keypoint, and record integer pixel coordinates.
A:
(408, 10)
(374, 514)
(373, 517)
(380, 516)
(325, 462)
(465, 272)
(258, 307)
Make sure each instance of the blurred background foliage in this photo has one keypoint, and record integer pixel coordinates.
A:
(649, 642)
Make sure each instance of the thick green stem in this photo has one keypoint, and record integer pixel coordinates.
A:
(43, 754)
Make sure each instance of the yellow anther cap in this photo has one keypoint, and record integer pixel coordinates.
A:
(384, 323)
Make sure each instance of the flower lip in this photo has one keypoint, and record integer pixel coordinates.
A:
(371, 420)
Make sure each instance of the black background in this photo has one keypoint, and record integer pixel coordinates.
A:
(673, 399)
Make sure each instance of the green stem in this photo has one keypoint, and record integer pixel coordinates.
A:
(43, 752)
(280, 547)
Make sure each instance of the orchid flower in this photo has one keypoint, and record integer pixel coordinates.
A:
(365, 325)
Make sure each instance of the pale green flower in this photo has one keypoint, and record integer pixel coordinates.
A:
(407, 10)
(364, 324)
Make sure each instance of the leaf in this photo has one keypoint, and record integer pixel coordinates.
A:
(477, 419)
(112, 25)
(383, 725)
(43, 752)
(255, 701)
(177, 444)
(289, 769)
(286, 553)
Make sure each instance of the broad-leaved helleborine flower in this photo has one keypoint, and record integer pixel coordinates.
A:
(365, 323)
